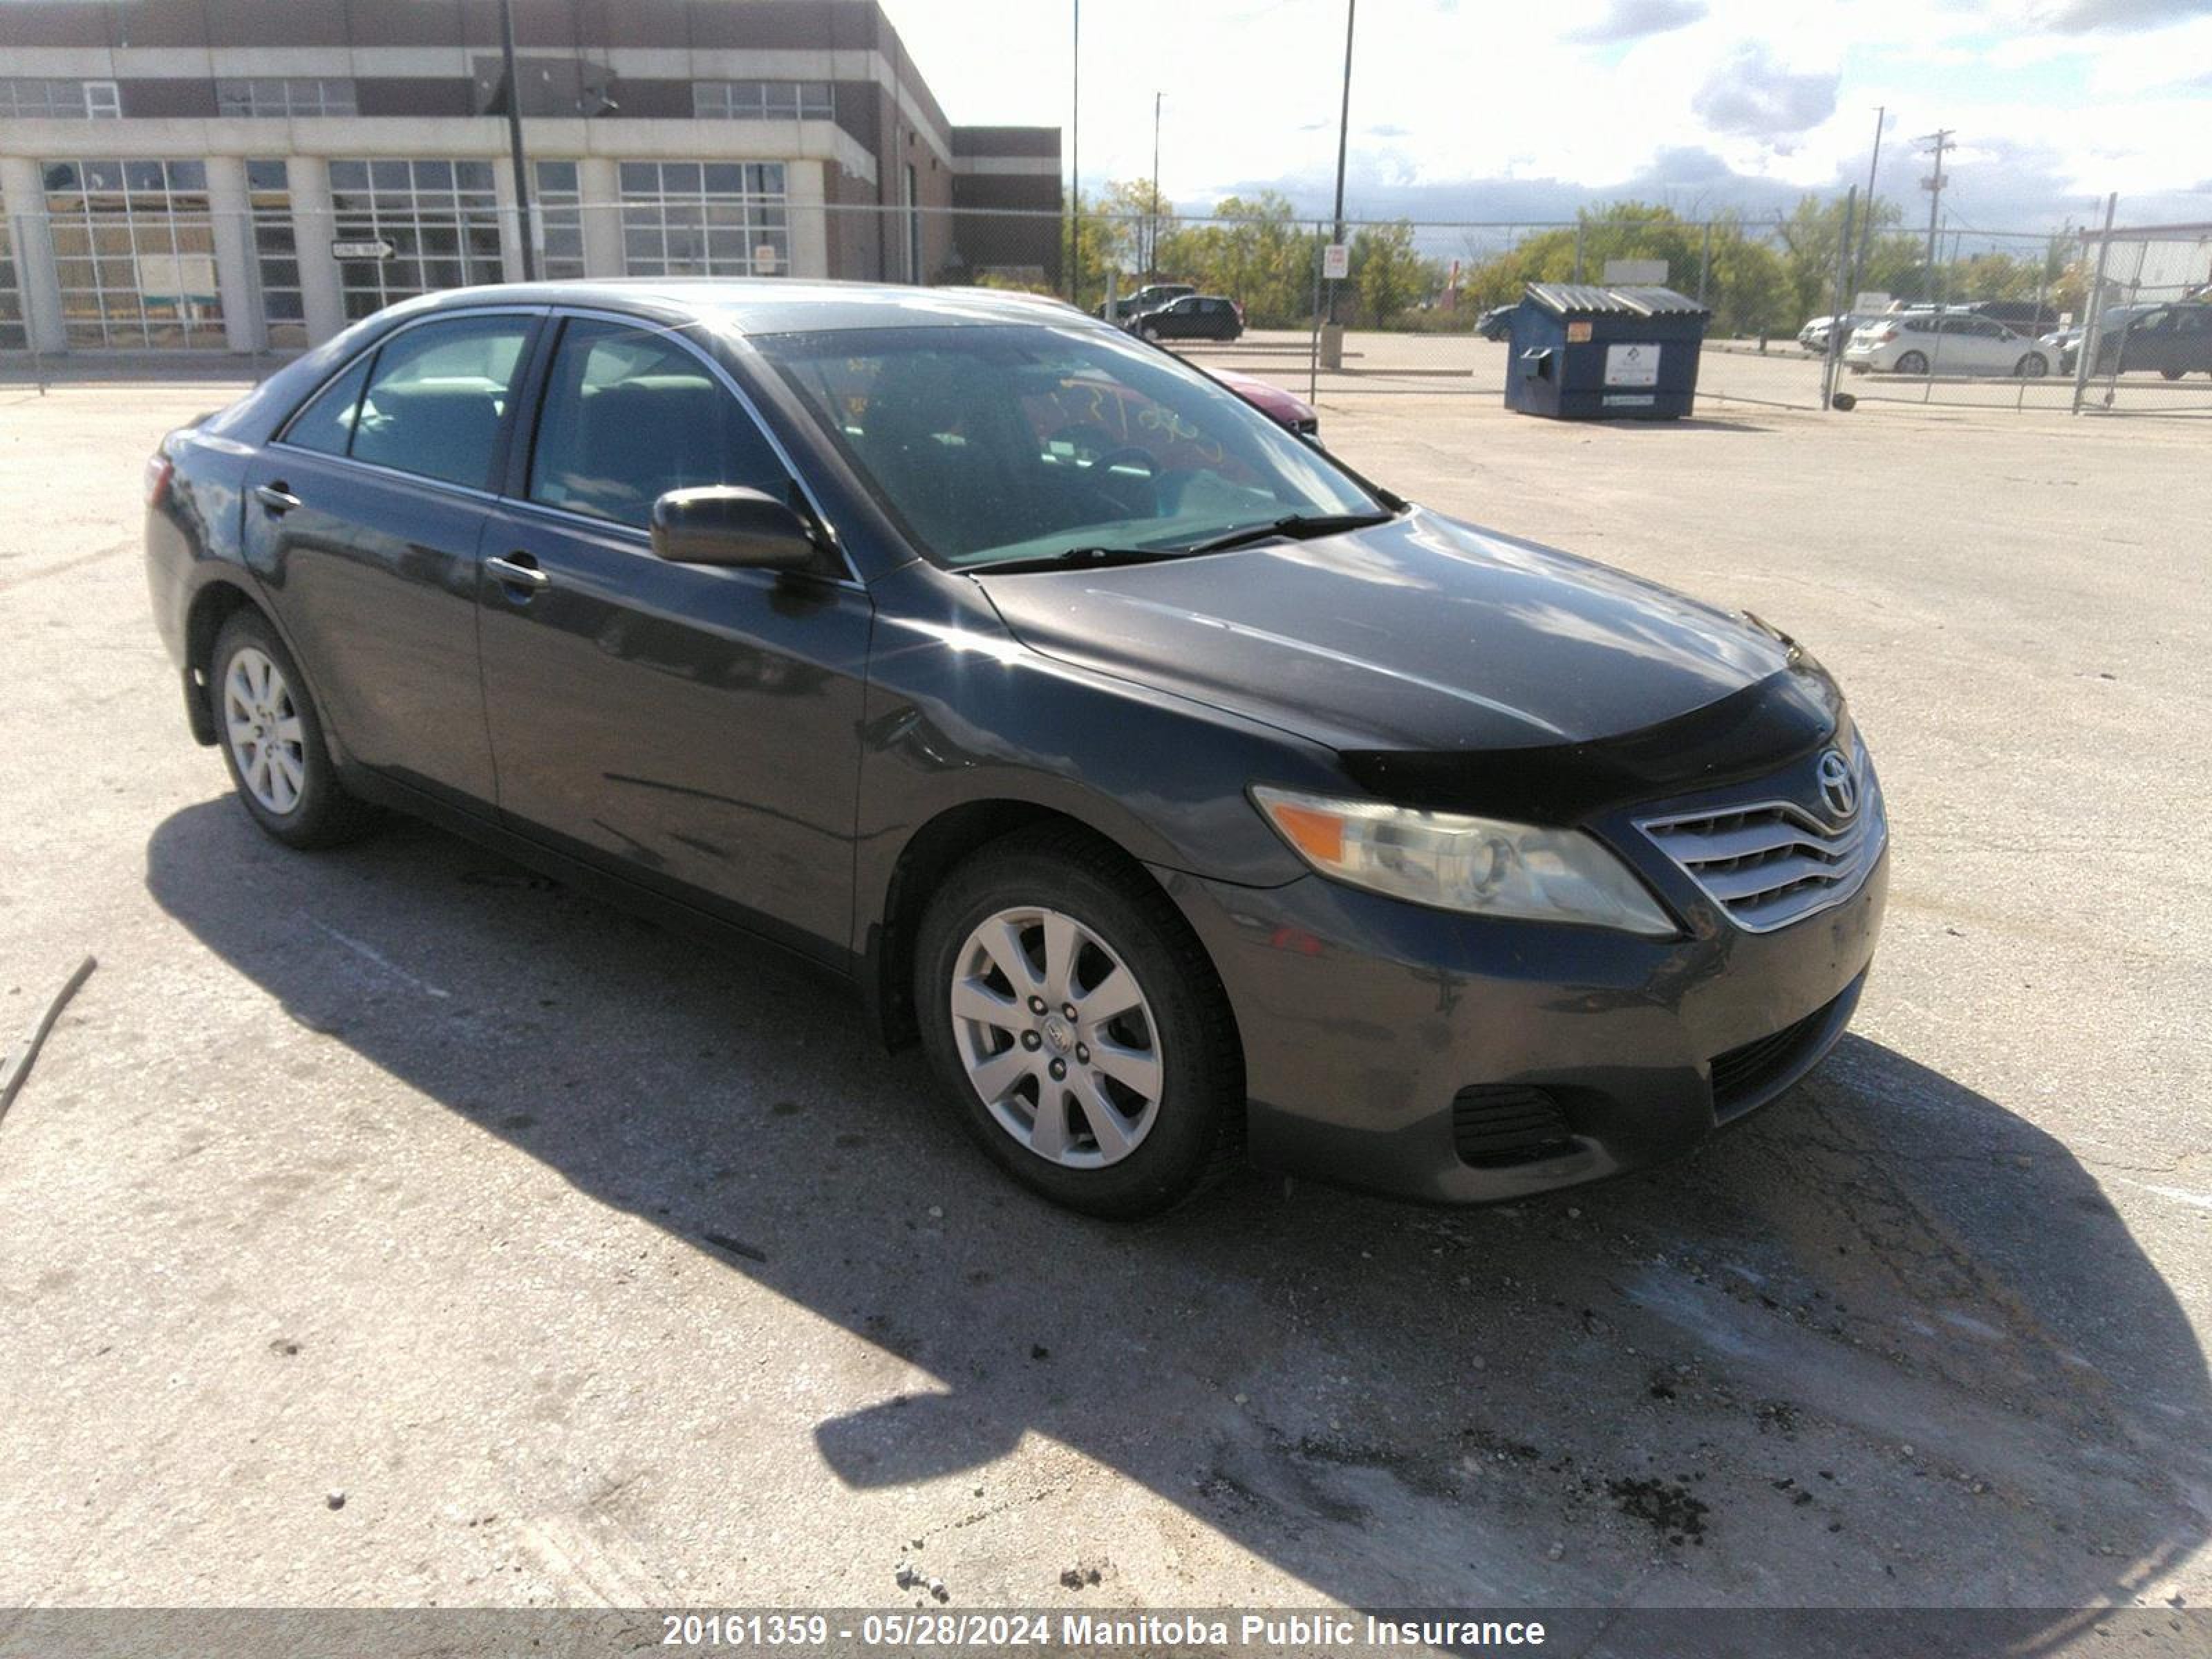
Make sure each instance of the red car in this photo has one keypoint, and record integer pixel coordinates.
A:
(1294, 414)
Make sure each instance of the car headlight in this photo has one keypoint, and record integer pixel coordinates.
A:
(1483, 866)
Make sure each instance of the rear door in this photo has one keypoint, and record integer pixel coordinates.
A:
(697, 729)
(364, 517)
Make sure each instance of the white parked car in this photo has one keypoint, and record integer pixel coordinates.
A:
(1815, 336)
(1946, 342)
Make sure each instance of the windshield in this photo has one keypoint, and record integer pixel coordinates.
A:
(1022, 440)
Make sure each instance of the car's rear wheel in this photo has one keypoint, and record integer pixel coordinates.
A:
(2031, 366)
(271, 739)
(2170, 373)
(1077, 1026)
(1911, 362)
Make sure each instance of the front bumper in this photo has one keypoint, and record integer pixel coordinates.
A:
(1463, 1059)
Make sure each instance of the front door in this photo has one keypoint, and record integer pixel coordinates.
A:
(695, 728)
(364, 516)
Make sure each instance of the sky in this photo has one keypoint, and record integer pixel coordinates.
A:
(1495, 110)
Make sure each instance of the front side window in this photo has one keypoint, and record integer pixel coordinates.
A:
(1001, 441)
(436, 397)
(630, 415)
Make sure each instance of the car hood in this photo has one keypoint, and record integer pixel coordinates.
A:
(1420, 634)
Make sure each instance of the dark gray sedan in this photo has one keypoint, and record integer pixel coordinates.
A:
(1186, 795)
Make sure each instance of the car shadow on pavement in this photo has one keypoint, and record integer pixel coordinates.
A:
(1887, 1344)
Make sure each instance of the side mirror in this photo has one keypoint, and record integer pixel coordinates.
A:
(724, 525)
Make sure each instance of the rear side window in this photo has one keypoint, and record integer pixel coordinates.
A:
(437, 396)
(630, 415)
(326, 424)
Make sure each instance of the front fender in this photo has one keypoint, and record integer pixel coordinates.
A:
(959, 712)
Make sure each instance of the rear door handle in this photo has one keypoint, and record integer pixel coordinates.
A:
(519, 570)
(276, 497)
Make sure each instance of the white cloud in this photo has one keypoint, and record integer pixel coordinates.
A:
(1451, 100)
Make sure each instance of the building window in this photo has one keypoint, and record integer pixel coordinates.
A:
(283, 96)
(560, 212)
(134, 253)
(275, 256)
(704, 219)
(439, 219)
(27, 98)
(762, 100)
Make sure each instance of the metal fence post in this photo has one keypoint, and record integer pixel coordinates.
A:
(1312, 345)
(1578, 245)
(2092, 307)
(1705, 262)
(1834, 355)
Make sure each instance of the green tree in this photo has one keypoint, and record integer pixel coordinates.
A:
(1387, 275)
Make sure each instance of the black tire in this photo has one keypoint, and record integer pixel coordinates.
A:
(2031, 366)
(1911, 362)
(322, 814)
(1149, 332)
(2170, 373)
(1197, 1134)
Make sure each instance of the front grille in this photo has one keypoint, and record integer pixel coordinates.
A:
(1772, 863)
(1495, 1125)
(1742, 1074)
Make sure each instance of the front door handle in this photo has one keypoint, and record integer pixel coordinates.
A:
(274, 496)
(519, 570)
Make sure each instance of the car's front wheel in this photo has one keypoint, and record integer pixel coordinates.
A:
(1077, 1026)
(1149, 331)
(2031, 366)
(272, 741)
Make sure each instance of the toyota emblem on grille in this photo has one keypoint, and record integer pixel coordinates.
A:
(1837, 786)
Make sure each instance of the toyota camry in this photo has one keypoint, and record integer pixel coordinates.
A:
(1187, 796)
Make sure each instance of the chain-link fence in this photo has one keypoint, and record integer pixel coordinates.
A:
(137, 267)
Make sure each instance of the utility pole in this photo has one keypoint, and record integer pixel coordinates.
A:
(527, 220)
(1153, 232)
(1075, 162)
(1343, 136)
(1933, 183)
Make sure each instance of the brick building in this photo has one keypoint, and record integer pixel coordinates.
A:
(251, 174)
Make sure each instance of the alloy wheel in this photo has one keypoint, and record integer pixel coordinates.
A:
(262, 724)
(1056, 1037)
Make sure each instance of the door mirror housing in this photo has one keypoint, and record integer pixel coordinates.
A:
(728, 524)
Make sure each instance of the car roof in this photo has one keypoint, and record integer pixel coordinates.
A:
(773, 304)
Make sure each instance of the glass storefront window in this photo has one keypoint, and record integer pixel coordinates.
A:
(441, 220)
(560, 211)
(276, 255)
(704, 219)
(134, 253)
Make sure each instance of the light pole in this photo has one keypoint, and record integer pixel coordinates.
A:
(515, 142)
(1075, 160)
(1343, 134)
(1153, 232)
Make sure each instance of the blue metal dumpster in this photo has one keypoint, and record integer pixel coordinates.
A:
(1580, 352)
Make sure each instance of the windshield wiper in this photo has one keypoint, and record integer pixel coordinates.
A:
(1095, 557)
(1298, 526)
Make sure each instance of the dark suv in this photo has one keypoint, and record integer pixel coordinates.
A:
(1144, 299)
(1185, 794)
(2172, 340)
